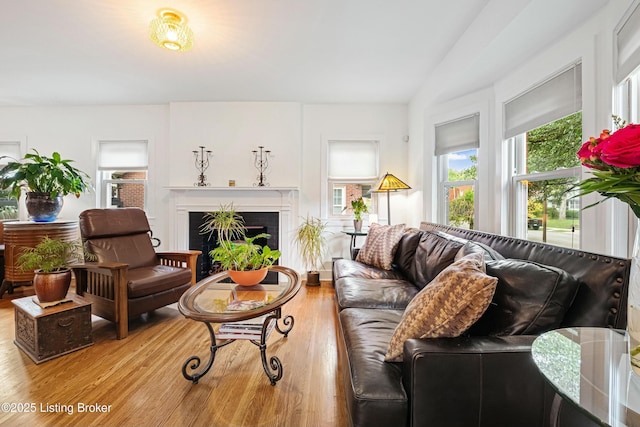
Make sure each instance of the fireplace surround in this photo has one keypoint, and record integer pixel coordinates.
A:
(185, 202)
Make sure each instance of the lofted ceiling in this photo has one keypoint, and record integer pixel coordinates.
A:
(97, 52)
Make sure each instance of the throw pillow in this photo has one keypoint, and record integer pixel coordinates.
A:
(447, 306)
(380, 245)
(530, 298)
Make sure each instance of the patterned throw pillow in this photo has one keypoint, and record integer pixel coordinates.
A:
(447, 306)
(381, 244)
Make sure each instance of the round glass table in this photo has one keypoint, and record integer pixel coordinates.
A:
(244, 312)
(589, 367)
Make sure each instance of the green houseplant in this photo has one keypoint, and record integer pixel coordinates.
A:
(358, 206)
(310, 240)
(245, 257)
(50, 259)
(225, 222)
(46, 180)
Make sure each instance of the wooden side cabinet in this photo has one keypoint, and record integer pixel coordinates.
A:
(46, 333)
(21, 234)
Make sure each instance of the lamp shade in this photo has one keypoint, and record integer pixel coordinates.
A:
(170, 30)
(390, 183)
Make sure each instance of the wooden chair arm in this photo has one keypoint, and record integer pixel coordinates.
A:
(91, 276)
(188, 259)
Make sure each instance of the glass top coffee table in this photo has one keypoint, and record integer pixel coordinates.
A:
(590, 368)
(247, 312)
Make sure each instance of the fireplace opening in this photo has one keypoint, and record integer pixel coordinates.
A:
(255, 223)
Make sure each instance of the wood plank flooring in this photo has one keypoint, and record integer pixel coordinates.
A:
(138, 381)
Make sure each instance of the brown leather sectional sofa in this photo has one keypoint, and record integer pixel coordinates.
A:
(486, 377)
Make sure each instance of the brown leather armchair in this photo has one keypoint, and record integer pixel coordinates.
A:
(129, 277)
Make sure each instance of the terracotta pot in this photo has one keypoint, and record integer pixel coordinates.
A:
(53, 286)
(248, 278)
(42, 208)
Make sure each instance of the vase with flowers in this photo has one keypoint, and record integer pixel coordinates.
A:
(614, 160)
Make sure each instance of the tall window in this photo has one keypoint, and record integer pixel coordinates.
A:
(543, 128)
(122, 173)
(457, 144)
(9, 151)
(352, 171)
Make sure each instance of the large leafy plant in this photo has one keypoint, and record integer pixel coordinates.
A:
(245, 255)
(311, 241)
(43, 174)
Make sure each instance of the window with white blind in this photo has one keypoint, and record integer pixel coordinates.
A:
(10, 151)
(352, 169)
(543, 129)
(457, 143)
(122, 173)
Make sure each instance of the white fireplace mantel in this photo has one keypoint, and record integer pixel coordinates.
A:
(283, 200)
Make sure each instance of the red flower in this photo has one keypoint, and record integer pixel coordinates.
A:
(589, 153)
(622, 148)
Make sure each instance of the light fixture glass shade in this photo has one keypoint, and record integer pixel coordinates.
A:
(390, 183)
(170, 30)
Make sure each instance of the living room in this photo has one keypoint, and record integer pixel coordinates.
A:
(479, 55)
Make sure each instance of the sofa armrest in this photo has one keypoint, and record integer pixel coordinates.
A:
(480, 381)
(188, 259)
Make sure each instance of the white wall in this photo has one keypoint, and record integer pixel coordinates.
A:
(292, 131)
(591, 43)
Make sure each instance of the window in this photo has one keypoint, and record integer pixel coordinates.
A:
(457, 144)
(352, 171)
(122, 173)
(544, 131)
(9, 151)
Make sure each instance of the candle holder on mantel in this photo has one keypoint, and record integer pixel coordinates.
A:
(261, 162)
(202, 163)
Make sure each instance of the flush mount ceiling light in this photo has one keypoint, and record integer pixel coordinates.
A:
(170, 30)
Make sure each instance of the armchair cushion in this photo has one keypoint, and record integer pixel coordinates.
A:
(145, 281)
(134, 250)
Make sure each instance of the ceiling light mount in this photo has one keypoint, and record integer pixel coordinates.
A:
(170, 31)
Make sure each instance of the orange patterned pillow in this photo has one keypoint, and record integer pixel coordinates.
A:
(447, 306)
(381, 244)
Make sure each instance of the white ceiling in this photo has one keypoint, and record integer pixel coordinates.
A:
(92, 52)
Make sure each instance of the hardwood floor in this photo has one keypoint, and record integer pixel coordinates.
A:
(138, 381)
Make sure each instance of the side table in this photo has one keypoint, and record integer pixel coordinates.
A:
(21, 234)
(46, 333)
(589, 368)
(353, 251)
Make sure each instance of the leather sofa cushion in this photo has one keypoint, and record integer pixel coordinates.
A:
(447, 306)
(374, 392)
(374, 293)
(530, 298)
(145, 281)
(349, 268)
(380, 246)
(134, 250)
(433, 254)
(471, 247)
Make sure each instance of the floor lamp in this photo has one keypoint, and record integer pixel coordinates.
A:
(386, 184)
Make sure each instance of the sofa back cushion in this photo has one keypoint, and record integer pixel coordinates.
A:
(530, 298)
(432, 255)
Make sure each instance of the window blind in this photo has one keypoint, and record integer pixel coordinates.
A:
(352, 160)
(627, 43)
(122, 155)
(10, 149)
(458, 135)
(551, 100)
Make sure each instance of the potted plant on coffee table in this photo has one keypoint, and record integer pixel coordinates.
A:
(311, 241)
(46, 181)
(50, 260)
(246, 262)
